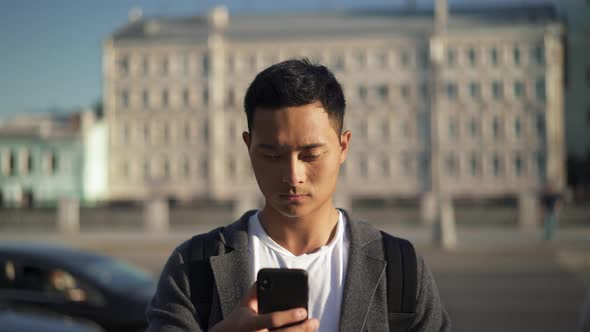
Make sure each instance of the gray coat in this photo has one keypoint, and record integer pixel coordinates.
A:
(364, 304)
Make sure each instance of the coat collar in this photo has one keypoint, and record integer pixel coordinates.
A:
(366, 268)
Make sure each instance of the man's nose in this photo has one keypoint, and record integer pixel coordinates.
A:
(293, 171)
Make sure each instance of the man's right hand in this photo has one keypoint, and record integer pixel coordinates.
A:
(245, 318)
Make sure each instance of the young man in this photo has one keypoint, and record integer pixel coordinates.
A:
(295, 113)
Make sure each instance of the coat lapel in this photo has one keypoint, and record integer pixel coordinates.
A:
(230, 270)
(364, 273)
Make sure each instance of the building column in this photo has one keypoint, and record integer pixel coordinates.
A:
(68, 216)
(554, 107)
(428, 209)
(156, 215)
(528, 210)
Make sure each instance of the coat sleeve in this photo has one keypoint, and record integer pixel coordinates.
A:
(171, 309)
(431, 315)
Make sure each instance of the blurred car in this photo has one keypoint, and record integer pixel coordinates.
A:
(11, 321)
(76, 283)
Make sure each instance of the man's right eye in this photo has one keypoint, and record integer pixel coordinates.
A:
(272, 156)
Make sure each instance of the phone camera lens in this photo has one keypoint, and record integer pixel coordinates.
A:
(265, 284)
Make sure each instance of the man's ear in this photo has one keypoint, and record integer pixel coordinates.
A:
(344, 144)
(247, 139)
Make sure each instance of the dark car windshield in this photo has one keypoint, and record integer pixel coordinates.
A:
(116, 274)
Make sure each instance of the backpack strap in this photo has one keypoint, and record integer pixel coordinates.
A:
(401, 274)
(200, 274)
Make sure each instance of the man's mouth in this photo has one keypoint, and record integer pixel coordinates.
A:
(292, 197)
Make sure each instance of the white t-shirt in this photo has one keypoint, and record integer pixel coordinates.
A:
(325, 267)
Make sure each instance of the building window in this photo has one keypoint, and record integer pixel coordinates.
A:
(363, 167)
(471, 56)
(496, 165)
(231, 167)
(166, 132)
(186, 100)
(166, 169)
(52, 162)
(205, 96)
(385, 129)
(453, 132)
(518, 165)
(12, 163)
(230, 98)
(363, 130)
(424, 90)
(405, 91)
(424, 60)
(473, 128)
(125, 135)
(496, 128)
(451, 89)
(145, 99)
(517, 128)
(165, 66)
(518, 89)
(475, 90)
(494, 56)
(541, 165)
(205, 64)
(516, 55)
(146, 133)
(338, 63)
(124, 65)
(452, 166)
(383, 92)
(385, 169)
(165, 98)
(124, 98)
(474, 165)
(451, 57)
(540, 89)
(538, 54)
(186, 168)
(405, 58)
(406, 161)
(362, 91)
(125, 169)
(145, 65)
(497, 90)
(187, 132)
(205, 132)
(204, 168)
(26, 162)
(588, 76)
(146, 170)
(540, 124)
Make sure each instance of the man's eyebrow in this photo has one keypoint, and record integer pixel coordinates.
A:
(282, 147)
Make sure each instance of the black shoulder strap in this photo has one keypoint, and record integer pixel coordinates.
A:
(401, 274)
(201, 248)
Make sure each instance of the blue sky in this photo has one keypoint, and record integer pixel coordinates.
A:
(50, 50)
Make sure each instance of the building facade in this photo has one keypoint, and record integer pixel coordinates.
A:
(173, 91)
(42, 160)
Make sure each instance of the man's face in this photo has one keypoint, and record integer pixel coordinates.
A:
(296, 154)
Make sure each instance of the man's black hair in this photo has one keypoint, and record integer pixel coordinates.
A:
(296, 82)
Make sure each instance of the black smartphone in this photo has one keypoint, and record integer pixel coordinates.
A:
(281, 289)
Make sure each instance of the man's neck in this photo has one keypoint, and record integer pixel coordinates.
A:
(304, 234)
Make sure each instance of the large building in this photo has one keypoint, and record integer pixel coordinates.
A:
(493, 78)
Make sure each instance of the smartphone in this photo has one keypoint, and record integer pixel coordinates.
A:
(281, 289)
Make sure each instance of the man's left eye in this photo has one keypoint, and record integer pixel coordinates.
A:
(310, 157)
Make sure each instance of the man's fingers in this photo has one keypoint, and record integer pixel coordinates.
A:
(251, 299)
(310, 325)
(279, 318)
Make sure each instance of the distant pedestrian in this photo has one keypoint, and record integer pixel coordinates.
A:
(551, 203)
